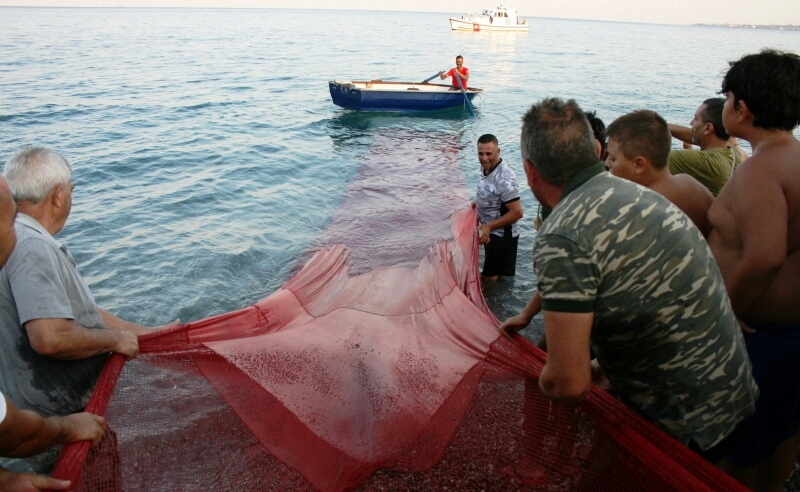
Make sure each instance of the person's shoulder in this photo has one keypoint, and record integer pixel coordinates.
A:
(27, 237)
(606, 180)
(687, 184)
(765, 165)
(784, 153)
(32, 248)
(686, 154)
(505, 169)
(772, 169)
(506, 179)
(624, 196)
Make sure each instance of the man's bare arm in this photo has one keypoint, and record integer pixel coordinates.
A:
(567, 374)
(760, 212)
(25, 432)
(115, 323)
(682, 133)
(515, 323)
(26, 482)
(65, 339)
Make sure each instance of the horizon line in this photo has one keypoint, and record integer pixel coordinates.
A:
(151, 7)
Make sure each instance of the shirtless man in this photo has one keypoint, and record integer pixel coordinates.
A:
(638, 150)
(756, 243)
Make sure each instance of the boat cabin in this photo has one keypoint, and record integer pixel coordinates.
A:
(500, 15)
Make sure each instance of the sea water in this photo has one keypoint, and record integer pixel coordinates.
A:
(207, 155)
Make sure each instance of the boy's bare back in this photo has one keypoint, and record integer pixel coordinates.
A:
(689, 195)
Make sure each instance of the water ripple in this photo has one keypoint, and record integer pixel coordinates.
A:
(208, 157)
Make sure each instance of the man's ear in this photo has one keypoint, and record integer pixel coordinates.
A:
(598, 148)
(530, 171)
(640, 164)
(743, 112)
(58, 196)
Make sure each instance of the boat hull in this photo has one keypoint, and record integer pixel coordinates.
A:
(480, 24)
(396, 96)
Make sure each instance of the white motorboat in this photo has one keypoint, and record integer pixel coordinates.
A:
(497, 19)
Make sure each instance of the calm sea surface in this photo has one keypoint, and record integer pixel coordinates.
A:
(207, 154)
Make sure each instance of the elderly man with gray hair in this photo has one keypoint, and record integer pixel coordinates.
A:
(54, 340)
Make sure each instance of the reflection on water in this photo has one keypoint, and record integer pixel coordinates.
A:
(399, 202)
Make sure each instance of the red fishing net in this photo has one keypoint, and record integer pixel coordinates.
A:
(376, 367)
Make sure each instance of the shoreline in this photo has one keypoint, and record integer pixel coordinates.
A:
(771, 27)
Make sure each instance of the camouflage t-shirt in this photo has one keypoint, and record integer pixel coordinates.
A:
(664, 331)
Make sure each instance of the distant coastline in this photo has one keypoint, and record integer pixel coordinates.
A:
(773, 27)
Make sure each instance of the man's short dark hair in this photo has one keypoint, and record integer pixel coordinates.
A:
(769, 83)
(599, 130)
(459, 56)
(712, 113)
(557, 139)
(643, 132)
(488, 138)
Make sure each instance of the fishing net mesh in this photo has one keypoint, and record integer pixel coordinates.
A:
(365, 374)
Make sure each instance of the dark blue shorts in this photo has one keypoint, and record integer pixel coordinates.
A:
(500, 256)
(775, 355)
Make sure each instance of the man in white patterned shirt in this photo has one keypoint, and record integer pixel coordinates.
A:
(499, 211)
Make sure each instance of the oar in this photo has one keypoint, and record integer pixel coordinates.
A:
(466, 99)
(430, 78)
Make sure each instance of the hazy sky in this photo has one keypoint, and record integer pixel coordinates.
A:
(655, 11)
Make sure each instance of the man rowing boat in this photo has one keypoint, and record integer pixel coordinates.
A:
(458, 73)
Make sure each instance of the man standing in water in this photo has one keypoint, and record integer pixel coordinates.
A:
(499, 211)
(459, 71)
(714, 163)
(652, 307)
(55, 340)
(756, 242)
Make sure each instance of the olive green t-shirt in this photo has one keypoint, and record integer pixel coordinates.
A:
(711, 167)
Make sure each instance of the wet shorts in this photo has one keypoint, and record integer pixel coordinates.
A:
(500, 256)
(775, 355)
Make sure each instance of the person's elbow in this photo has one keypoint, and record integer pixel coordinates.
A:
(757, 265)
(45, 345)
(45, 336)
(564, 389)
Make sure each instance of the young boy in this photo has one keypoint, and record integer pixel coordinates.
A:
(756, 243)
(638, 150)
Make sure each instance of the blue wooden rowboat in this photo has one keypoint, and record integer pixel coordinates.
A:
(377, 95)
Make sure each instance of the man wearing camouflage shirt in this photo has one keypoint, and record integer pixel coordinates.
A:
(622, 269)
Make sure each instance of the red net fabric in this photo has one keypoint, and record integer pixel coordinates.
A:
(371, 369)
